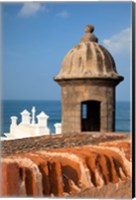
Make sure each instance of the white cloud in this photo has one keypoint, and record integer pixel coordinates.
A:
(30, 9)
(120, 42)
(63, 13)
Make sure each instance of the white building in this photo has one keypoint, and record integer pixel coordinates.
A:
(28, 126)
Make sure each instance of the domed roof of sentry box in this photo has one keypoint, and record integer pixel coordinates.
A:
(88, 60)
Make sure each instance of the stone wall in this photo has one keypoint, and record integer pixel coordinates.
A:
(24, 145)
(75, 92)
(65, 171)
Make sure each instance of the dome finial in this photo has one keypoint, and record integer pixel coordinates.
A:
(89, 37)
(89, 29)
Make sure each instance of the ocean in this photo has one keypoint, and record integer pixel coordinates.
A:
(53, 110)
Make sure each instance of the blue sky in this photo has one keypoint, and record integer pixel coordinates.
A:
(37, 36)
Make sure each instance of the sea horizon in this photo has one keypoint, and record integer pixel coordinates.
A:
(13, 107)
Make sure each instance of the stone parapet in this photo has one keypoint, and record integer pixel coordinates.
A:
(66, 171)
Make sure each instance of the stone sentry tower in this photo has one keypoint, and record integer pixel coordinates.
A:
(88, 78)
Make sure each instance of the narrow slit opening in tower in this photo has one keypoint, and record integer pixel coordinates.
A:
(90, 116)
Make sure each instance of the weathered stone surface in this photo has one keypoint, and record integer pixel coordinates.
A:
(124, 146)
(121, 190)
(30, 176)
(65, 171)
(25, 145)
(88, 77)
(55, 177)
(43, 168)
(105, 164)
(73, 171)
(88, 60)
(10, 180)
